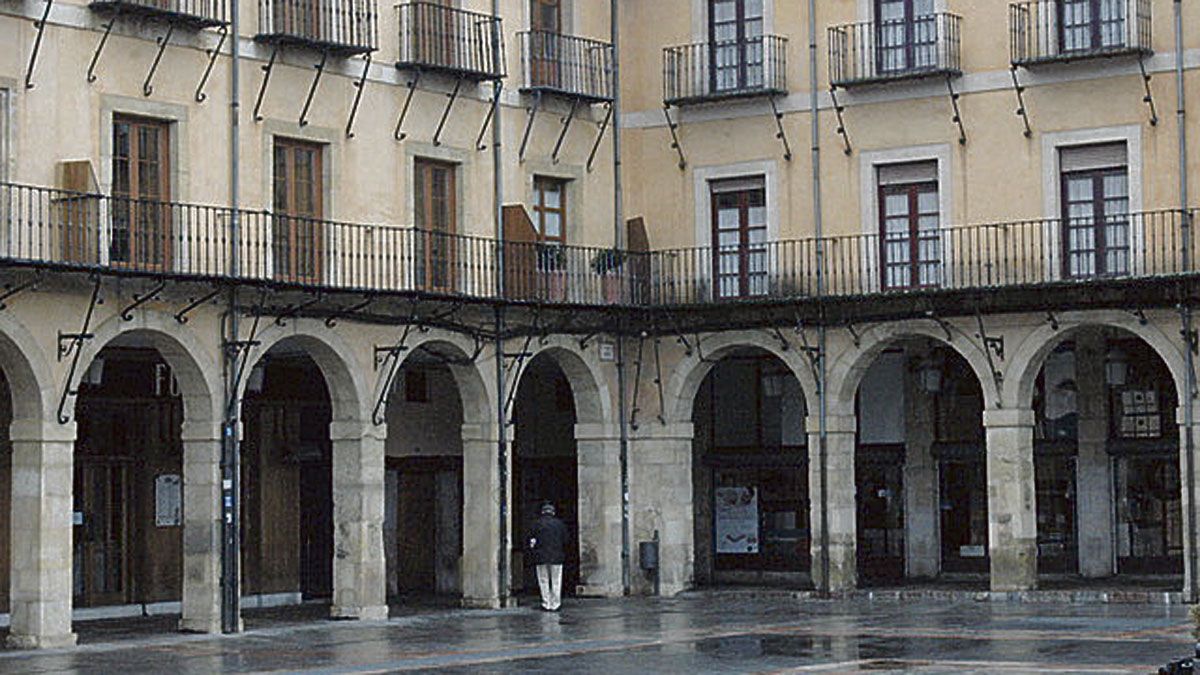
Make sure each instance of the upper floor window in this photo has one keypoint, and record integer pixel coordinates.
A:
(906, 35)
(298, 200)
(1095, 205)
(1087, 25)
(141, 233)
(550, 209)
(435, 202)
(546, 15)
(735, 30)
(909, 225)
(739, 221)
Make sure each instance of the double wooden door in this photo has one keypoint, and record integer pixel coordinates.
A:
(435, 201)
(297, 230)
(140, 234)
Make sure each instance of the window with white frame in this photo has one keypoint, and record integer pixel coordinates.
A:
(1095, 210)
(909, 225)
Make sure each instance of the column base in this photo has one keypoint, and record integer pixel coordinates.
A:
(41, 641)
(599, 590)
(488, 603)
(211, 626)
(370, 613)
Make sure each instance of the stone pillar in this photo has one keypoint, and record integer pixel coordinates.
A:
(201, 528)
(598, 450)
(840, 508)
(1012, 508)
(1191, 585)
(660, 474)
(482, 541)
(359, 568)
(1094, 524)
(922, 493)
(43, 472)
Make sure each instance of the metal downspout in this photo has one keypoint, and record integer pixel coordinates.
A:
(620, 244)
(501, 417)
(1189, 442)
(822, 432)
(230, 450)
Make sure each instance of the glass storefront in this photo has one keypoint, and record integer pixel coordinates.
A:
(1149, 514)
(760, 518)
(880, 500)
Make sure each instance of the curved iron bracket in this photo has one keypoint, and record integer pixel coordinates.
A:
(389, 357)
(359, 85)
(1022, 110)
(332, 319)
(453, 96)
(91, 71)
(1148, 98)
(399, 134)
(71, 344)
(40, 25)
(11, 290)
(838, 110)
(566, 126)
(637, 378)
(673, 127)
(957, 118)
(991, 345)
(139, 300)
(312, 90)
(262, 89)
(223, 31)
(608, 113)
(491, 113)
(294, 310)
(530, 114)
(181, 315)
(147, 86)
(780, 133)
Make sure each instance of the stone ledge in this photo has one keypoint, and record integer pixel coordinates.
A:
(1075, 597)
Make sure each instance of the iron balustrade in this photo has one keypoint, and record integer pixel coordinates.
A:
(60, 229)
(200, 13)
(708, 71)
(1043, 31)
(567, 65)
(879, 51)
(338, 26)
(454, 41)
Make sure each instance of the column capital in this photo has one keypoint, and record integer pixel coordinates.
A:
(191, 432)
(593, 431)
(353, 430)
(653, 430)
(34, 429)
(834, 424)
(1003, 418)
(486, 432)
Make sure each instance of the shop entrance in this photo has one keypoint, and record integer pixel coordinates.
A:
(1055, 484)
(879, 472)
(964, 514)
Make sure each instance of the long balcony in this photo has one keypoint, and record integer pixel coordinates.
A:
(452, 41)
(344, 27)
(711, 71)
(1048, 31)
(567, 65)
(195, 13)
(882, 51)
(49, 228)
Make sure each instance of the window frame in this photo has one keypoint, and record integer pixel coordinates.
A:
(1100, 221)
(136, 202)
(437, 250)
(745, 247)
(913, 192)
(288, 217)
(540, 209)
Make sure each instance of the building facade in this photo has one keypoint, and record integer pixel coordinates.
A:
(323, 299)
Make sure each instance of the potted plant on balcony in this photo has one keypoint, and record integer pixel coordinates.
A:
(552, 273)
(607, 263)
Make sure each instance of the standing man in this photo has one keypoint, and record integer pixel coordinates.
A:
(547, 547)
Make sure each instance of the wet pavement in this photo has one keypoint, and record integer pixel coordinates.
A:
(700, 633)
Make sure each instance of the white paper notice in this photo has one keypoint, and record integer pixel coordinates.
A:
(737, 520)
(168, 500)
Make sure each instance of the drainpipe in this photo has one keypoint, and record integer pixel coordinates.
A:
(501, 417)
(230, 452)
(620, 243)
(822, 432)
(1189, 442)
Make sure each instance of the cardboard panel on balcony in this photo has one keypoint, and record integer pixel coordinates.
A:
(75, 215)
(520, 254)
(638, 245)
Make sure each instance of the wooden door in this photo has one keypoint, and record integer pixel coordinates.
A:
(101, 536)
(1095, 230)
(435, 202)
(545, 43)
(909, 235)
(297, 237)
(141, 224)
(739, 219)
(520, 254)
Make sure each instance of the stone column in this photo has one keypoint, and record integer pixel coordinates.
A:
(1012, 508)
(43, 468)
(201, 528)
(359, 569)
(1191, 585)
(598, 450)
(922, 493)
(660, 474)
(1094, 524)
(482, 541)
(840, 508)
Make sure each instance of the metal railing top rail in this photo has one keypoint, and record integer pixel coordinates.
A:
(569, 65)
(880, 51)
(710, 71)
(196, 13)
(451, 40)
(1044, 31)
(344, 27)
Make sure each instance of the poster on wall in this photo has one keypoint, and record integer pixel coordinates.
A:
(736, 520)
(168, 500)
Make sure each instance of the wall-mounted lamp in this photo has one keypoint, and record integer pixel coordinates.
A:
(929, 376)
(1116, 367)
(772, 385)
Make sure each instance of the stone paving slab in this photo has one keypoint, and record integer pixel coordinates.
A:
(690, 634)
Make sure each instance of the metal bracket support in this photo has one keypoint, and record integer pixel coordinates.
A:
(262, 89)
(562, 134)
(658, 383)
(1053, 320)
(312, 89)
(784, 345)
(637, 378)
(608, 113)
(453, 96)
(1022, 110)
(386, 355)
(399, 134)
(139, 300)
(530, 115)
(40, 25)
(480, 146)
(780, 133)
(108, 26)
(942, 323)
(1191, 339)
(147, 85)
(854, 336)
(991, 345)
(359, 85)
(813, 353)
(223, 31)
(1141, 316)
(11, 290)
(1148, 98)
(181, 315)
(332, 319)
(516, 370)
(957, 118)
(838, 109)
(294, 311)
(71, 344)
(673, 127)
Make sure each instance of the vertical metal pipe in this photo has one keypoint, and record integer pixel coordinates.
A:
(230, 450)
(620, 243)
(498, 205)
(1189, 441)
(822, 431)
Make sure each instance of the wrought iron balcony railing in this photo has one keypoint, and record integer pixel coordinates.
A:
(710, 71)
(197, 13)
(567, 65)
(454, 41)
(57, 229)
(880, 51)
(344, 27)
(1043, 31)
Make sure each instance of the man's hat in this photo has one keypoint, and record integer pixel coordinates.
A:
(547, 509)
